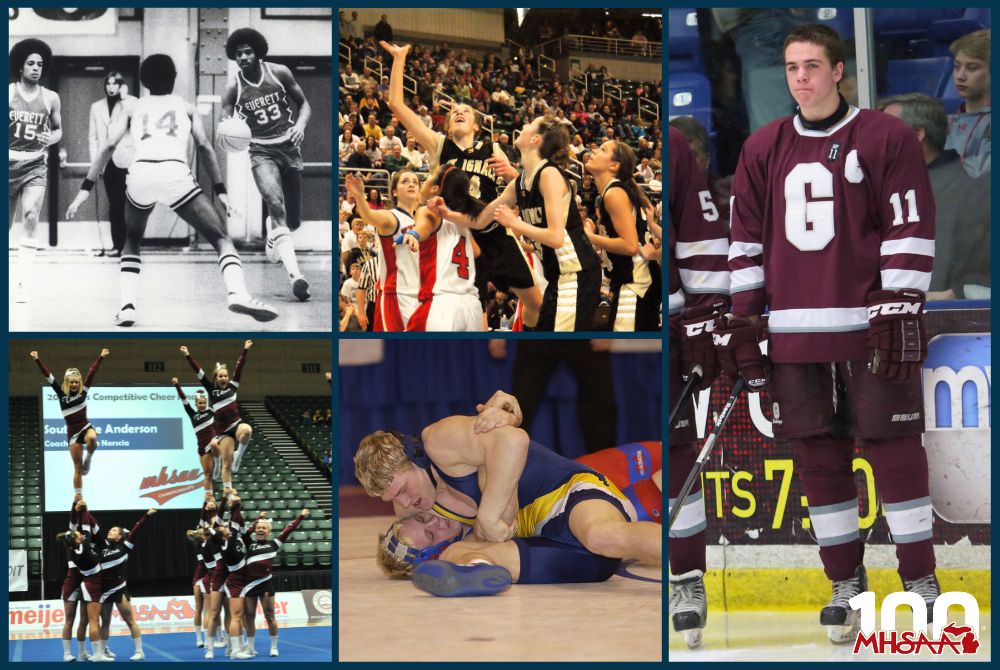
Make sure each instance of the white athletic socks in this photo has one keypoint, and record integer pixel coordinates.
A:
(129, 269)
(98, 647)
(281, 239)
(137, 641)
(197, 635)
(239, 454)
(274, 645)
(67, 647)
(228, 484)
(81, 647)
(78, 491)
(218, 469)
(232, 272)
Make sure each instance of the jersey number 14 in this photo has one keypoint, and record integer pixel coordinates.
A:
(167, 122)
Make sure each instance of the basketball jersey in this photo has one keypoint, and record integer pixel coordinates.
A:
(264, 106)
(161, 128)
(398, 272)
(483, 182)
(447, 263)
(633, 270)
(576, 253)
(27, 118)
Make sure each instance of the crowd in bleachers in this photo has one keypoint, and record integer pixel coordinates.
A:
(727, 80)
(506, 90)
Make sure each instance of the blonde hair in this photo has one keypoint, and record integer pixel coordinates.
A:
(975, 44)
(393, 566)
(379, 458)
(219, 367)
(71, 373)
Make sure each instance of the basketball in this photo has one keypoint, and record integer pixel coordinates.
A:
(233, 135)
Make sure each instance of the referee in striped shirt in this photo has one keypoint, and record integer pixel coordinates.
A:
(369, 282)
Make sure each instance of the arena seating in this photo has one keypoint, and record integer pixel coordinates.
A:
(919, 75)
(316, 440)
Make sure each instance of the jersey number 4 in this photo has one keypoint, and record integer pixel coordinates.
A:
(809, 224)
(461, 259)
(167, 122)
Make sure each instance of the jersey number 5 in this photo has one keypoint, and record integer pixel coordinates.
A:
(461, 259)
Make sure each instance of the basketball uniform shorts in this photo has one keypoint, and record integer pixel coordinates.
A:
(844, 399)
(448, 312)
(501, 260)
(570, 302)
(77, 437)
(631, 312)
(286, 156)
(26, 173)
(167, 182)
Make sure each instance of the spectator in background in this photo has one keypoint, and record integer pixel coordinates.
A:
(347, 142)
(969, 127)
(417, 157)
(350, 240)
(643, 173)
(362, 252)
(305, 419)
(383, 31)
(389, 140)
(372, 128)
(372, 151)
(317, 418)
(358, 159)
(396, 161)
(348, 316)
(350, 82)
(962, 224)
(500, 311)
(349, 288)
(102, 114)
(512, 152)
(375, 199)
(355, 29)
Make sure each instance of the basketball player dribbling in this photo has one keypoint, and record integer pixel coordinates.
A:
(260, 95)
(34, 124)
(161, 125)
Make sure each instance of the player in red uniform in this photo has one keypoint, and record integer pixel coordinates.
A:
(261, 94)
(398, 260)
(833, 233)
(34, 124)
(697, 282)
(233, 434)
(73, 403)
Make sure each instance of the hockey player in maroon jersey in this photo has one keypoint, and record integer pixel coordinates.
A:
(698, 284)
(73, 403)
(261, 549)
(833, 234)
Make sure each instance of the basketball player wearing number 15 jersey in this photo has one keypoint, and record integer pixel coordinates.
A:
(162, 125)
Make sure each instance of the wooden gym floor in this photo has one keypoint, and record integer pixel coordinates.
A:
(178, 292)
(388, 620)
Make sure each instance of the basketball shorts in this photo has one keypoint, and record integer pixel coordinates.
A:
(843, 399)
(285, 156)
(448, 312)
(395, 311)
(501, 261)
(167, 182)
(631, 312)
(26, 173)
(569, 303)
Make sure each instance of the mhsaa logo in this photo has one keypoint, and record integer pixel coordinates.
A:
(946, 637)
(170, 486)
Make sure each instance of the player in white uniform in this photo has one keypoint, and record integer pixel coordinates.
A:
(34, 123)
(398, 259)
(449, 300)
(162, 124)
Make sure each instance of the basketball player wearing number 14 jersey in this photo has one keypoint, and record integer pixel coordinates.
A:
(262, 94)
(162, 124)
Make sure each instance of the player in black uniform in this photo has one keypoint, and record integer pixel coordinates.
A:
(624, 212)
(114, 590)
(73, 403)
(203, 420)
(502, 260)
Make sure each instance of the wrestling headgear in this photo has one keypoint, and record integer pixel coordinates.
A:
(407, 554)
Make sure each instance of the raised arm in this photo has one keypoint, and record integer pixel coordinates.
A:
(49, 377)
(383, 220)
(202, 377)
(292, 526)
(240, 362)
(180, 394)
(426, 137)
(130, 541)
(93, 368)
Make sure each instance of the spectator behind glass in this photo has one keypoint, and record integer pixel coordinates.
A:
(969, 127)
(383, 31)
(759, 36)
(962, 227)
(355, 29)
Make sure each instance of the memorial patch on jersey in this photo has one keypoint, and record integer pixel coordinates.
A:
(834, 151)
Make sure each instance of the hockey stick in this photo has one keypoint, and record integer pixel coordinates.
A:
(686, 392)
(706, 450)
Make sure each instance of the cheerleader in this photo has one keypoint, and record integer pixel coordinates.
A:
(203, 420)
(73, 403)
(80, 519)
(114, 590)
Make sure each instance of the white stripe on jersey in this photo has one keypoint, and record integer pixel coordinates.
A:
(897, 279)
(908, 245)
(835, 319)
(746, 279)
(702, 281)
(716, 247)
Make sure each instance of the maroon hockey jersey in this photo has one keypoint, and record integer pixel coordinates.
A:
(820, 219)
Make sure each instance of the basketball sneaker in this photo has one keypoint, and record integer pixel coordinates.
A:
(300, 287)
(841, 620)
(446, 579)
(269, 249)
(125, 317)
(247, 304)
(137, 656)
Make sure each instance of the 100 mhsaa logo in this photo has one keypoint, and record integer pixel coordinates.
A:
(945, 635)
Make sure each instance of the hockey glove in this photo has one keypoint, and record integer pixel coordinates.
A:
(737, 341)
(697, 350)
(897, 341)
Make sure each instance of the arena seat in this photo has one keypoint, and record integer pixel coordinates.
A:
(324, 551)
(683, 42)
(950, 98)
(840, 19)
(892, 23)
(919, 75)
(690, 94)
